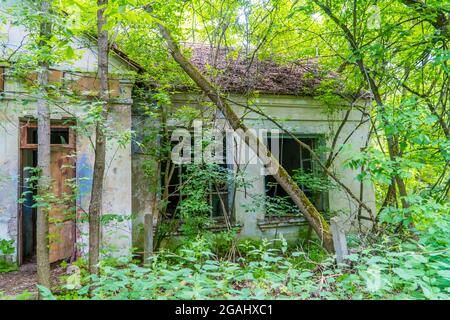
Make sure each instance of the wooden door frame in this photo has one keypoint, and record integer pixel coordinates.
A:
(24, 124)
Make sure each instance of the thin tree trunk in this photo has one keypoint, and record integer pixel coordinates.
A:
(311, 214)
(391, 142)
(43, 110)
(391, 196)
(95, 207)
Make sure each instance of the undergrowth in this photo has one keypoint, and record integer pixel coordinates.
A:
(390, 269)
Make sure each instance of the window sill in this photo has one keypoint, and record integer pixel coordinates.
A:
(215, 226)
(280, 222)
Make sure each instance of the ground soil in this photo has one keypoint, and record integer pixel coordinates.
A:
(24, 279)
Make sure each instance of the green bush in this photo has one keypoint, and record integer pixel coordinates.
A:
(7, 249)
(387, 270)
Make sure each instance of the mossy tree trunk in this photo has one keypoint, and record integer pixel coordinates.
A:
(95, 206)
(309, 211)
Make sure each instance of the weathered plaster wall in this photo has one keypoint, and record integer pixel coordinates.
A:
(142, 189)
(117, 192)
(13, 38)
(118, 188)
(116, 235)
(302, 116)
(9, 176)
(306, 116)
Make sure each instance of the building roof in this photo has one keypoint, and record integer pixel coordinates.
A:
(236, 73)
(114, 48)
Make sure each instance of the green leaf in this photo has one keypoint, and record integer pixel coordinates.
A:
(69, 53)
(45, 293)
(405, 274)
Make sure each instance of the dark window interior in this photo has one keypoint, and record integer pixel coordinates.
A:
(292, 157)
(216, 192)
(2, 79)
(57, 136)
(29, 212)
(175, 194)
(32, 136)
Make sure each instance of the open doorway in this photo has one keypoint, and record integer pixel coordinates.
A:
(62, 227)
(29, 212)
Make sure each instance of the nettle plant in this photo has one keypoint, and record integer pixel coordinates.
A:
(313, 181)
(389, 269)
(195, 208)
(6, 247)
(273, 206)
(278, 206)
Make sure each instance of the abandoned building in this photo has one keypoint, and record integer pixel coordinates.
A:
(284, 92)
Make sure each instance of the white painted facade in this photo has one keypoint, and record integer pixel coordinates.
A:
(18, 102)
(303, 117)
(127, 189)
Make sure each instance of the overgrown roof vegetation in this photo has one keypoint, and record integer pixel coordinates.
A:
(235, 72)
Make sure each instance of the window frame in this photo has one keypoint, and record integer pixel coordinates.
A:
(319, 142)
(225, 195)
(25, 125)
(2, 79)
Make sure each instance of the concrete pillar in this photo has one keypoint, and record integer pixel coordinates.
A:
(339, 240)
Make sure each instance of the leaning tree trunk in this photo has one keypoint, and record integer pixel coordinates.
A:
(95, 206)
(311, 214)
(43, 111)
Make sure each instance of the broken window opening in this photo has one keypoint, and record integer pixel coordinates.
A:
(58, 136)
(2, 80)
(217, 191)
(296, 161)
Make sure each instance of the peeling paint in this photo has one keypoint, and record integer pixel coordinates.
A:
(84, 175)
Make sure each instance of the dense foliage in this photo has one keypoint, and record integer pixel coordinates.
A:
(392, 54)
(390, 268)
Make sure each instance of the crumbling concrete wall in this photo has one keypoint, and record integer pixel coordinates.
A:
(116, 234)
(9, 176)
(303, 116)
(308, 117)
(143, 188)
(18, 103)
(117, 189)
